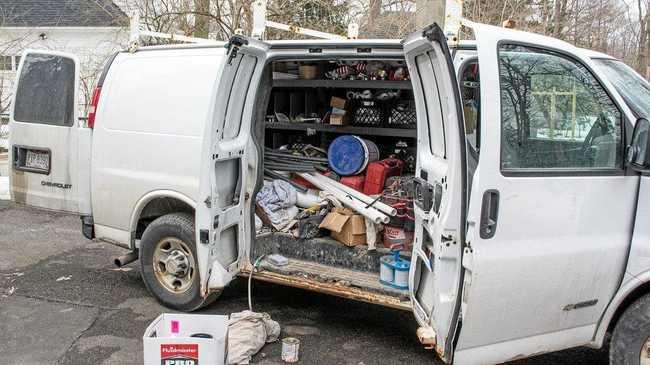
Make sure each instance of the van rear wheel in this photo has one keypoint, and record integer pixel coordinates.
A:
(631, 340)
(168, 263)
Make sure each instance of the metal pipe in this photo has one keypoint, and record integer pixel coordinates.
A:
(126, 259)
(288, 168)
(294, 157)
(275, 175)
(369, 212)
(382, 207)
(288, 163)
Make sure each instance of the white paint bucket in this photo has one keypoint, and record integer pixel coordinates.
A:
(290, 349)
(386, 272)
(371, 150)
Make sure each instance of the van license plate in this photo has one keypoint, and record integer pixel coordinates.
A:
(37, 160)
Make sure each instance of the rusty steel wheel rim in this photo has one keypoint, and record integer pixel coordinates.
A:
(173, 265)
(645, 353)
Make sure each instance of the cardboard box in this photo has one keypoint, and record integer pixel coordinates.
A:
(338, 119)
(160, 348)
(338, 103)
(346, 226)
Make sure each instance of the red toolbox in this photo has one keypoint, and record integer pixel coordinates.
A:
(377, 173)
(356, 182)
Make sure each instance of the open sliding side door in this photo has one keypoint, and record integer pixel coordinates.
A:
(436, 272)
(221, 221)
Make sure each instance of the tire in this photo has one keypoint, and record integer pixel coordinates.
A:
(177, 228)
(631, 333)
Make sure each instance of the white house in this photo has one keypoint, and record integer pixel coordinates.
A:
(91, 29)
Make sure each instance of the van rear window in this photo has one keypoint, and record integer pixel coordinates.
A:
(45, 92)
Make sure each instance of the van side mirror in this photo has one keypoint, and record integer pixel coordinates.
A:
(638, 152)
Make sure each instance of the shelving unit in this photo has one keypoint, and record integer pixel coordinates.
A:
(342, 84)
(344, 129)
(311, 98)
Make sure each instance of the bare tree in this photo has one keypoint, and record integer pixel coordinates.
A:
(610, 26)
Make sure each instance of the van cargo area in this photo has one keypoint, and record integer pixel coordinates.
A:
(336, 204)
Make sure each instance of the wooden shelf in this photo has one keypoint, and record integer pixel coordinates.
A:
(344, 129)
(342, 84)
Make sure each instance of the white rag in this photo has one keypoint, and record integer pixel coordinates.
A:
(278, 200)
(247, 333)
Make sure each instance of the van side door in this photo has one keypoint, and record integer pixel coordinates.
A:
(440, 186)
(49, 147)
(552, 207)
(222, 217)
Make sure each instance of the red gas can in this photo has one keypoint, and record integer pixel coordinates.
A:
(356, 182)
(377, 173)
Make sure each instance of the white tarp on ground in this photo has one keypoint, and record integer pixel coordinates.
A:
(247, 333)
(4, 187)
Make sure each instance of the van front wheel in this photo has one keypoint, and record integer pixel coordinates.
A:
(168, 263)
(631, 340)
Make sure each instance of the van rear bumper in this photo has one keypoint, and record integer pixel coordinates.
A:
(88, 226)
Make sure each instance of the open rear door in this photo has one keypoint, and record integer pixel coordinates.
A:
(222, 221)
(49, 148)
(436, 272)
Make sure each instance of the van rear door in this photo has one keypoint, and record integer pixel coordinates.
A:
(435, 277)
(222, 222)
(49, 148)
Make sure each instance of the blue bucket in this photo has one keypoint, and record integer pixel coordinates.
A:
(349, 155)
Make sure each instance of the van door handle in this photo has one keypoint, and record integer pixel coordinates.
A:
(489, 214)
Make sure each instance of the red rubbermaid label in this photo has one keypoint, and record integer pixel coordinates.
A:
(179, 354)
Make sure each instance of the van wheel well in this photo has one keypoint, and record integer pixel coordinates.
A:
(631, 298)
(157, 208)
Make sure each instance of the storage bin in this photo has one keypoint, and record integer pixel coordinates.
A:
(186, 339)
(367, 113)
(402, 115)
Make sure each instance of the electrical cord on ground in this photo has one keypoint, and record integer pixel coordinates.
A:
(256, 264)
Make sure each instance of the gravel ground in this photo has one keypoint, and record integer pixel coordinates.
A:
(62, 302)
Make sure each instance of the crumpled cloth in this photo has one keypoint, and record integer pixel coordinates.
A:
(278, 200)
(247, 333)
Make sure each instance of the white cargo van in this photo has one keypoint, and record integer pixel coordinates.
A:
(528, 239)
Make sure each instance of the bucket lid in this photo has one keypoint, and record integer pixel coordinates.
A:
(398, 263)
(347, 155)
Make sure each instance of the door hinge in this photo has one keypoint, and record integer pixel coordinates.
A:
(233, 46)
(208, 202)
(215, 223)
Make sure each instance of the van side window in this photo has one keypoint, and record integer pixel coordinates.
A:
(555, 114)
(471, 93)
(45, 92)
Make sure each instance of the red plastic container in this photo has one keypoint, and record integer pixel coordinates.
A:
(377, 173)
(356, 182)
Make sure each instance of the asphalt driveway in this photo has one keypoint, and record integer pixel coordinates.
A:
(63, 302)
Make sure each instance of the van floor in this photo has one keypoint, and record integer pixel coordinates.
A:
(325, 260)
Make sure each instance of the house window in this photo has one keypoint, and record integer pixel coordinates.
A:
(16, 62)
(5, 63)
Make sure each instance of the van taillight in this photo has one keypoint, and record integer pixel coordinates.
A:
(92, 110)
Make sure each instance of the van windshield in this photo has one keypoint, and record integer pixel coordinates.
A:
(632, 86)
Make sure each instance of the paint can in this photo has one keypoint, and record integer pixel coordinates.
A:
(290, 349)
